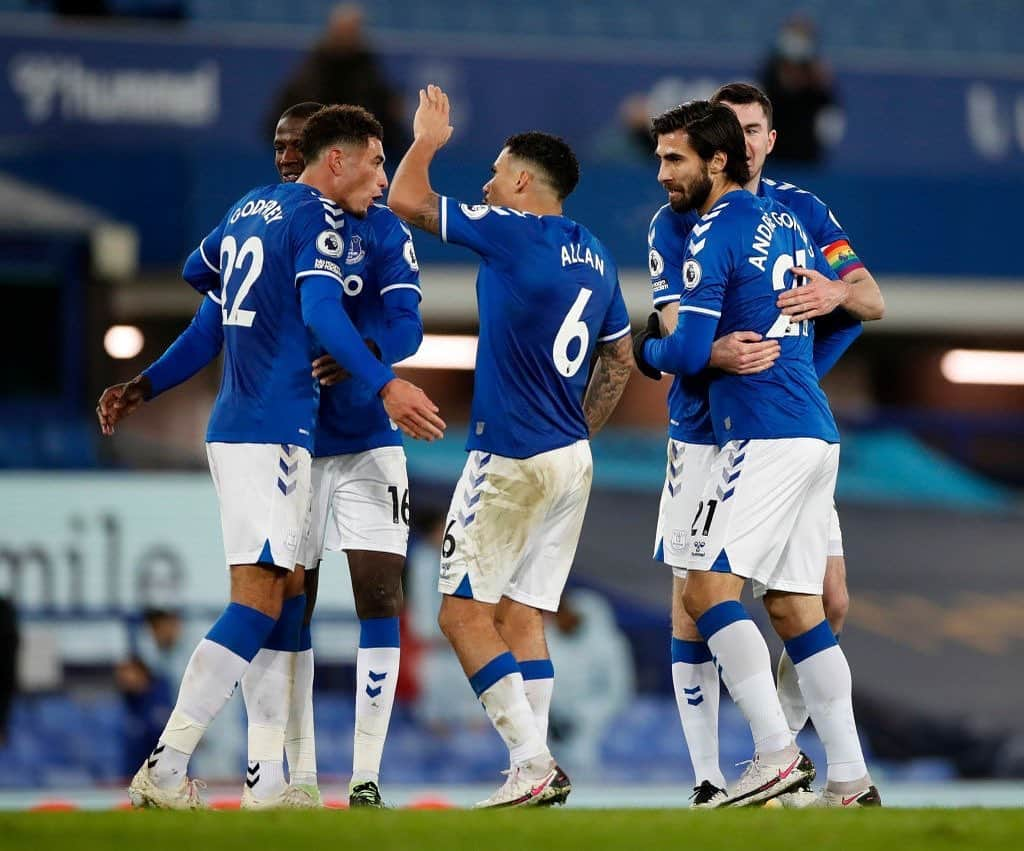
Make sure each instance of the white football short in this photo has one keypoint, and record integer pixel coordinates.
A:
(765, 513)
(514, 524)
(686, 473)
(835, 535)
(360, 502)
(263, 490)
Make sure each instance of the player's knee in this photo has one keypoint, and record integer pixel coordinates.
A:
(378, 599)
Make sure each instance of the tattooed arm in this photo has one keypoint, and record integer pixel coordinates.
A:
(614, 364)
(411, 196)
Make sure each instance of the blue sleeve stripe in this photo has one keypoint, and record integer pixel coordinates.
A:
(202, 254)
(813, 641)
(444, 218)
(391, 287)
(615, 336)
(719, 617)
(324, 272)
(498, 668)
(706, 311)
(665, 299)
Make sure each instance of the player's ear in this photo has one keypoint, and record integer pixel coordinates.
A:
(716, 165)
(523, 180)
(771, 141)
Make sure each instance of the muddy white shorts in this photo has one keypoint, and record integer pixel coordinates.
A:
(765, 513)
(513, 526)
(263, 490)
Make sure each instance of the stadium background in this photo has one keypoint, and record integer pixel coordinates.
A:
(123, 139)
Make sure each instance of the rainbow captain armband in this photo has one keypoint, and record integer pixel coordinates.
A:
(842, 258)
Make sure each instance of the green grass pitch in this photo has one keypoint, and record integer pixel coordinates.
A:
(522, 830)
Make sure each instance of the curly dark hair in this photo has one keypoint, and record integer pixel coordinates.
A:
(710, 127)
(552, 155)
(338, 125)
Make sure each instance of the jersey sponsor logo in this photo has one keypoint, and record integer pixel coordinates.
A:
(656, 263)
(477, 211)
(269, 210)
(330, 243)
(356, 252)
(409, 253)
(691, 274)
(327, 265)
(658, 286)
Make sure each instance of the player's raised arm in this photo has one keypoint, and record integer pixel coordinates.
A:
(411, 196)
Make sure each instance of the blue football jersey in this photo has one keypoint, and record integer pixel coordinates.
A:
(268, 241)
(736, 263)
(689, 417)
(548, 293)
(380, 271)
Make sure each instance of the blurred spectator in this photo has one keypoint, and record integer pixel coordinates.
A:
(146, 681)
(594, 677)
(629, 138)
(341, 69)
(802, 93)
(8, 662)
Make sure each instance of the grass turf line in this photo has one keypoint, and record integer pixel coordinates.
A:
(564, 830)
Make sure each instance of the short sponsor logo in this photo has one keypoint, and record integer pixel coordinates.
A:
(677, 543)
(698, 549)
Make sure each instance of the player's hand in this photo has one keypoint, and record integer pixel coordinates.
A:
(120, 401)
(430, 123)
(411, 410)
(652, 331)
(818, 297)
(329, 372)
(743, 353)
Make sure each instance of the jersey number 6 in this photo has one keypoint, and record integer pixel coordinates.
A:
(573, 328)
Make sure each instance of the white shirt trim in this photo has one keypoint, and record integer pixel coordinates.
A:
(391, 287)
(703, 310)
(209, 265)
(324, 272)
(615, 336)
(665, 299)
(444, 218)
(216, 299)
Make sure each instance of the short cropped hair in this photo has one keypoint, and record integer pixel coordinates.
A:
(710, 127)
(552, 155)
(338, 125)
(741, 93)
(301, 110)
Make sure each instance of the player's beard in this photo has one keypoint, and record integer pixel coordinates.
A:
(695, 194)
